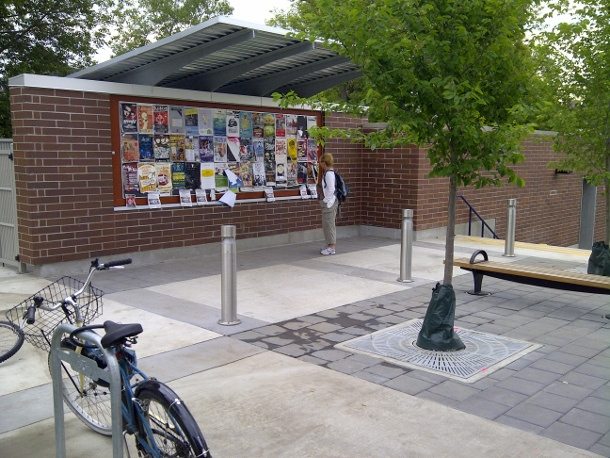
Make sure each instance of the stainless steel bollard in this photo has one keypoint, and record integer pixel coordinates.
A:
(406, 247)
(228, 276)
(509, 245)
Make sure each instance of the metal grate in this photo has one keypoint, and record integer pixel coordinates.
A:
(484, 353)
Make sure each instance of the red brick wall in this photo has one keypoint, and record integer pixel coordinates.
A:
(63, 166)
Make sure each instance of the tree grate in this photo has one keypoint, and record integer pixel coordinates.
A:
(484, 353)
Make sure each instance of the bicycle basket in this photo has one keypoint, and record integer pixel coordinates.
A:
(40, 332)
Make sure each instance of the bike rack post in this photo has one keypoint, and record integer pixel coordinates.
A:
(89, 368)
(406, 247)
(509, 244)
(228, 277)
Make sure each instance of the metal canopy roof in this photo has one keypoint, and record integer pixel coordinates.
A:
(229, 56)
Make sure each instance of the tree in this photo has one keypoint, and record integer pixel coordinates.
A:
(45, 37)
(575, 60)
(141, 22)
(448, 75)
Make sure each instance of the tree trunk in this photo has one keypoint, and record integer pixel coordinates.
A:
(450, 235)
(607, 189)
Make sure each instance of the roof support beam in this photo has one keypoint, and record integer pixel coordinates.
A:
(150, 74)
(211, 81)
(312, 88)
(265, 85)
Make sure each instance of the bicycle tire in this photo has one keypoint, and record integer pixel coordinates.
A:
(174, 430)
(11, 340)
(88, 400)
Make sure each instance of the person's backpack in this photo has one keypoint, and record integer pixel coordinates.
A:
(341, 188)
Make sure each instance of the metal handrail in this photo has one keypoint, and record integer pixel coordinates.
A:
(483, 225)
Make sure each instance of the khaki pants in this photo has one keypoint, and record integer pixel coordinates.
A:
(328, 222)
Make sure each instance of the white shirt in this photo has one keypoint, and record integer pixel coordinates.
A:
(328, 187)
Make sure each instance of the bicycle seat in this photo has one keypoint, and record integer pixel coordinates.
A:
(116, 332)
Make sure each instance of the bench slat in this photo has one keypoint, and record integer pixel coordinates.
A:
(575, 278)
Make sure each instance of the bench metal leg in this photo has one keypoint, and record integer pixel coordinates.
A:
(478, 283)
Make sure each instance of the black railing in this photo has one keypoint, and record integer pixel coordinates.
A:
(483, 223)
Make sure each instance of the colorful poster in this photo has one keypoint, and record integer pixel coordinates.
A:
(280, 125)
(130, 150)
(258, 148)
(269, 149)
(161, 114)
(246, 174)
(269, 173)
(206, 122)
(220, 179)
(191, 143)
(145, 119)
(281, 150)
(269, 125)
(192, 175)
(302, 150)
(232, 123)
(191, 121)
(220, 123)
(220, 149)
(129, 172)
(245, 124)
(291, 174)
(177, 147)
(312, 121)
(207, 175)
(161, 147)
(147, 177)
(206, 148)
(147, 152)
(302, 127)
(164, 177)
(280, 173)
(129, 118)
(292, 149)
(245, 150)
(233, 149)
(258, 174)
(258, 124)
(302, 173)
(312, 172)
(179, 175)
(312, 150)
(176, 120)
(291, 126)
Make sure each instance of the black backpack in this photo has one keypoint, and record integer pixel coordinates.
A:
(341, 188)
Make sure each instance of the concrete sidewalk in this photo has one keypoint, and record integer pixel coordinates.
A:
(276, 385)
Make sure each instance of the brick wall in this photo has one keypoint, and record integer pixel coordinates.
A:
(63, 165)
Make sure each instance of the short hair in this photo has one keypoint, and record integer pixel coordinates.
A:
(327, 158)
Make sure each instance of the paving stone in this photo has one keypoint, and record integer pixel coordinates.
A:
(331, 355)
(324, 327)
(553, 402)
(347, 366)
(332, 313)
(593, 370)
(537, 375)
(482, 407)
(349, 309)
(292, 350)
(304, 334)
(427, 376)
(587, 420)
(534, 414)
(369, 377)
(596, 405)
(272, 330)
(454, 390)
(279, 341)
(356, 331)
(437, 398)
(312, 319)
(518, 385)
(603, 392)
(567, 358)
(377, 312)
(386, 370)
(571, 435)
(587, 381)
(312, 360)
(552, 366)
(248, 336)
(569, 391)
(338, 337)
(503, 396)
(519, 424)
(359, 317)
(601, 450)
(366, 359)
(408, 384)
(292, 325)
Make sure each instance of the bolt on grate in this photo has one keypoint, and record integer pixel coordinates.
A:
(484, 353)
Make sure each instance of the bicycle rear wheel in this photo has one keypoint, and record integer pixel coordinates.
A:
(89, 400)
(11, 340)
(173, 430)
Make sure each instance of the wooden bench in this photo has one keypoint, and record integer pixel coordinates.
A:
(530, 275)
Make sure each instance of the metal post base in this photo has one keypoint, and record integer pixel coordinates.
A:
(229, 323)
(404, 281)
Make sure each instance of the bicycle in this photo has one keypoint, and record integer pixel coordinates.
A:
(159, 420)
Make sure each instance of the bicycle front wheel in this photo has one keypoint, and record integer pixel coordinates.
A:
(11, 340)
(88, 399)
(169, 426)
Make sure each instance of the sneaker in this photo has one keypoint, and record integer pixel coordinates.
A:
(327, 251)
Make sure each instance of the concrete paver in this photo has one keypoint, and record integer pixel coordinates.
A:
(276, 386)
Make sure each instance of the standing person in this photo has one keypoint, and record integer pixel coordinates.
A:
(329, 204)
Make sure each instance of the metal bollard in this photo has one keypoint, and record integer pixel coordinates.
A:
(509, 246)
(406, 247)
(228, 276)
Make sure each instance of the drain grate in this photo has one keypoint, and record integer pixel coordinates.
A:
(484, 353)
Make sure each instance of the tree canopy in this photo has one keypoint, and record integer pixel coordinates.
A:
(450, 75)
(575, 63)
